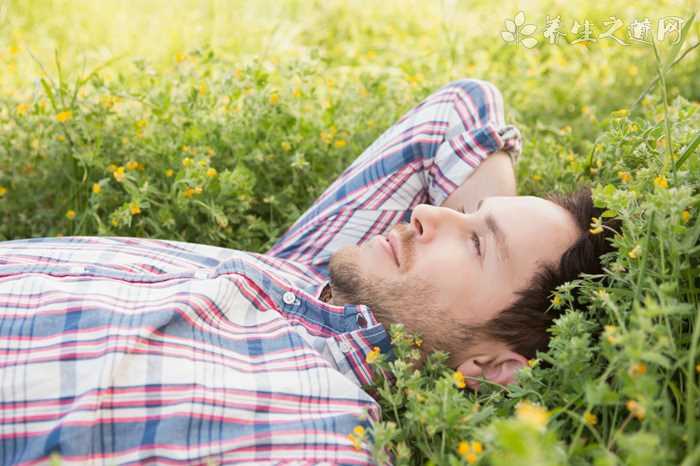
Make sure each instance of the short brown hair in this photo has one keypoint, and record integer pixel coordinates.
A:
(523, 324)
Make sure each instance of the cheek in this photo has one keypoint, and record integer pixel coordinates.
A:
(456, 274)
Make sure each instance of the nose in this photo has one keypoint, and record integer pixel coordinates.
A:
(428, 221)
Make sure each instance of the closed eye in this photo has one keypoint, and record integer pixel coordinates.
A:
(475, 237)
(477, 243)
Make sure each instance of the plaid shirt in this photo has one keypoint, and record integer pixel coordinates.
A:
(126, 350)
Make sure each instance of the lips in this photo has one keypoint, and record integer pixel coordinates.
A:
(393, 241)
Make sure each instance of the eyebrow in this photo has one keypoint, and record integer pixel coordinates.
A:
(496, 231)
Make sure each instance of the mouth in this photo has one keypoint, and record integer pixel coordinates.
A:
(393, 241)
(385, 243)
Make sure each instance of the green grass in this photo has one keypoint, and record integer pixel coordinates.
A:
(219, 122)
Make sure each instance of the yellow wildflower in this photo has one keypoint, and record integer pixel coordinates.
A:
(557, 300)
(634, 253)
(565, 130)
(132, 165)
(458, 379)
(624, 176)
(340, 143)
(468, 452)
(64, 116)
(536, 178)
(620, 113)
(661, 182)
(115, 222)
(111, 168)
(188, 193)
(611, 334)
(372, 356)
(22, 109)
(355, 442)
(61, 137)
(532, 362)
(70, 215)
(202, 90)
(637, 369)
(632, 70)
(356, 437)
(96, 188)
(211, 173)
(590, 418)
(697, 368)
(180, 57)
(531, 414)
(418, 341)
(3, 191)
(463, 448)
(274, 98)
(286, 146)
(210, 152)
(119, 174)
(596, 226)
(198, 190)
(107, 101)
(169, 172)
(636, 409)
(187, 162)
(685, 216)
(134, 208)
(296, 92)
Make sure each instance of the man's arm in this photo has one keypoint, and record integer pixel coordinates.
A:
(494, 177)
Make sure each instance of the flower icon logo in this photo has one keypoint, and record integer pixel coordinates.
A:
(519, 32)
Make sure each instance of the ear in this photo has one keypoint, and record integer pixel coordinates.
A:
(500, 369)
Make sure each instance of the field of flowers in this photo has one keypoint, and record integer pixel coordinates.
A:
(220, 122)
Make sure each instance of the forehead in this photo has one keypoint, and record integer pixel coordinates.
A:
(533, 209)
(537, 230)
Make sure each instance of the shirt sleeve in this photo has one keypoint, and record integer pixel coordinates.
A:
(428, 153)
(476, 129)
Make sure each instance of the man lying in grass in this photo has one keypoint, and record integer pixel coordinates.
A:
(133, 350)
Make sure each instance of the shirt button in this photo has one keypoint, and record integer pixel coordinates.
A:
(344, 347)
(289, 298)
(361, 321)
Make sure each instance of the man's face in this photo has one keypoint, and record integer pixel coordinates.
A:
(447, 269)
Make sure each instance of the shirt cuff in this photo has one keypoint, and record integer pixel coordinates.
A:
(460, 155)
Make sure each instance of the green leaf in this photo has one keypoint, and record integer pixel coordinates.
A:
(688, 150)
(49, 93)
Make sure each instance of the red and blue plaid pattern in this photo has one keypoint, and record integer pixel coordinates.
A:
(125, 350)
